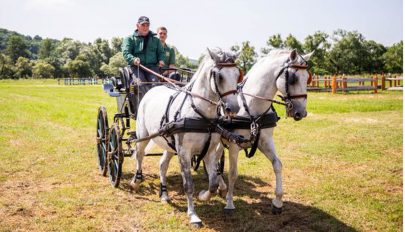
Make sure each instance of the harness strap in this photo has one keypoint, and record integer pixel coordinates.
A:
(254, 146)
(203, 152)
(245, 105)
(181, 106)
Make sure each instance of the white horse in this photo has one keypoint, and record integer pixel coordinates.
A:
(216, 80)
(283, 71)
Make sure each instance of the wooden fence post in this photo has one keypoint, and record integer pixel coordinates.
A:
(382, 81)
(344, 83)
(334, 84)
(375, 83)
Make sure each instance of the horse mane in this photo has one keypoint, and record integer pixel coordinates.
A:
(277, 52)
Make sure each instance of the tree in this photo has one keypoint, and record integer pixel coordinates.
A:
(247, 56)
(274, 42)
(348, 52)
(45, 49)
(374, 62)
(79, 68)
(292, 43)
(183, 61)
(393, 58)
(16, 47)
(6, 67)
(90, 55)
(116, 43)
(68, 49)
(42, 69)
(23, 68)
(102, 49)
(319, 61)
(116, 62)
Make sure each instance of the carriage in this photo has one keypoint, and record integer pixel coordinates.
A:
(251, 128)
(114, 142)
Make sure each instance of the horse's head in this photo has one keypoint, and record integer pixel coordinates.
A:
(292, 83)
(224, 77)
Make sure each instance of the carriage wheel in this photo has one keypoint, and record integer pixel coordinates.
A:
(102, 135)
(115, 155)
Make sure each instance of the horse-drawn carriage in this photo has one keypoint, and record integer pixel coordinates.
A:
(216, 85)
(114, 142)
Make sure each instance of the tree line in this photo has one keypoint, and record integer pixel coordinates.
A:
(342, 52)
(25, 56)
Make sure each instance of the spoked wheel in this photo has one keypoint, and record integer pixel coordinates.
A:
(102, 135)
(115, 155)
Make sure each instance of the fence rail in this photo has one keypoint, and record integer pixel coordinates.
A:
(343, 83)
(79, 81)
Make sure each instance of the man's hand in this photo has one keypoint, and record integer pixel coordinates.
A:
(137, 61)
(161, 63)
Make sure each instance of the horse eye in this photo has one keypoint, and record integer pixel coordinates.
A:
(292, 79)
(220, 77)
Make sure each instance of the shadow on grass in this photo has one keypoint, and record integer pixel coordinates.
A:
(253, 214)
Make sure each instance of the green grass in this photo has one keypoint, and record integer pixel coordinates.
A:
(342, 168)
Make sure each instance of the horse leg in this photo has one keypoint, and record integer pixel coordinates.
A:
(211, 160)
(139, 154)
(222, 189)
(185, 164)
(164, 165)
(266, 146)
(232, 176)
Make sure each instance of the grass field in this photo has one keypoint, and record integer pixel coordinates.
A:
(342, 169)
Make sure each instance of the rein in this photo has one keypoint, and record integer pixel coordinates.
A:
(254, 127)
(175, 84)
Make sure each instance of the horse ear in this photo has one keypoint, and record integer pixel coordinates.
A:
(293, 55)
(213, 55)
(236, 55)
(308, 56)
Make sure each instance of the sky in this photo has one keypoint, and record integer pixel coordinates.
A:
(195, 25)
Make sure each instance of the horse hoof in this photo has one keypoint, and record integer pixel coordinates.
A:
(275, 210)
(229, 211)
(204, 195)
(134, 185)
(222, 193)
(197, 224)
(165, 200)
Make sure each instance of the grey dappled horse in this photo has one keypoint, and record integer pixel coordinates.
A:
(210, 81)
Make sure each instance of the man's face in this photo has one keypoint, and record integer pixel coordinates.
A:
(162, 35)
(143, 28)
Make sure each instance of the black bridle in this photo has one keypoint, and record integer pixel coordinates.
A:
(216, 74)
(290, 79)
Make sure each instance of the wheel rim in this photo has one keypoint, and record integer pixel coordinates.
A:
(101, 146)
(115, 160)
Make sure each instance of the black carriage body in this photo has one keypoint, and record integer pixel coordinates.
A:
(113, 143)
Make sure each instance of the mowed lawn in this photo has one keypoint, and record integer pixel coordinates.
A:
(342, 169)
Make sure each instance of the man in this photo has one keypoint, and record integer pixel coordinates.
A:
(144, 48)
(170, 61)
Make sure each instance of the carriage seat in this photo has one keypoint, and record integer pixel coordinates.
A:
(125, 76)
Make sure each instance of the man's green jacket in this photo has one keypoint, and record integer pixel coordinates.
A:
(147, 48)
